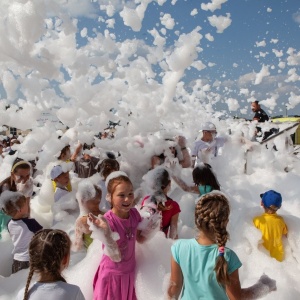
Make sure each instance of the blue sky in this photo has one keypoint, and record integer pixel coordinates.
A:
(257, 27)
(256, 57)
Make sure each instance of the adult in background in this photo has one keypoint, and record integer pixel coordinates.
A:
(87, 165)
(261, 116)
(209, 144)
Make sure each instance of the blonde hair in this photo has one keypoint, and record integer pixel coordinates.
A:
(211, 217)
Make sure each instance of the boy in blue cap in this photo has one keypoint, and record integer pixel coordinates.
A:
(271, 225)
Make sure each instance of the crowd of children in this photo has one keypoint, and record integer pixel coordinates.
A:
(201, 268)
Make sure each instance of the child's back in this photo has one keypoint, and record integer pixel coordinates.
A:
(21, 232)
(197, 262)
(272, 228)
(58, 290)
(271, 225)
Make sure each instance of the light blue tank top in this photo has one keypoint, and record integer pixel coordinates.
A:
(204, 189)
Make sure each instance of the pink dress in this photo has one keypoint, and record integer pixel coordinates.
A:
(115, 280)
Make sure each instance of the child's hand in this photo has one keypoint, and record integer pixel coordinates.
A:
(101, 223)
(106, 237)
(270, 283)
(181, 141)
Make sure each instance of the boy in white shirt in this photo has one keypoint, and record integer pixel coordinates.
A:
(21, 228)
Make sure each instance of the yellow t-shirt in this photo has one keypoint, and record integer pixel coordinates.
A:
(69, 186)
(272, 228)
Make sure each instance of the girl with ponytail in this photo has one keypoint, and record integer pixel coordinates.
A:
(49, 255)
(204, 268)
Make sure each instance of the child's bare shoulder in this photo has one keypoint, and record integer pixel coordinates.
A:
(82, 220)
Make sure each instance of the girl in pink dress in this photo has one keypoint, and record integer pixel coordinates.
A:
(115, 276)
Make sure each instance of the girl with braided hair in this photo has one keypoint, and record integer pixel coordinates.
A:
(49, 255)
(203, 268)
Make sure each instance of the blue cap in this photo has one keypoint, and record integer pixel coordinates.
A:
(270, 198)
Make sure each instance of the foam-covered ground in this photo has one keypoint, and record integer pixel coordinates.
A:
(265, 171)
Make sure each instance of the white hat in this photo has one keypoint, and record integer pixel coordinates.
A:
(56, 171)
(208, 126)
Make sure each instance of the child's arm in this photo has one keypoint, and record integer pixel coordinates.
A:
(173, 227)
(149, 224)
(104, 234)
(184, 186)
(285, 231)
(176, 280)
(186, 158)
(81, 227)
(264, 286)
(155, 161)
(140, 238)
(76, 152)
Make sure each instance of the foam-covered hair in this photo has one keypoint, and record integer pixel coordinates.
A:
(114, 174)
(10, 198)
(86, 190)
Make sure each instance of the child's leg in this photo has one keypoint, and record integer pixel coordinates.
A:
(19, 265)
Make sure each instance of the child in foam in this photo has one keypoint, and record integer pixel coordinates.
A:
(118, 229)
(19, 180)
(20, 227)
(89, 197)
(161, 184)
(204, 178)
(203, 268)
(62, 179)
(107, 166)
(49, 253)
(271, 225)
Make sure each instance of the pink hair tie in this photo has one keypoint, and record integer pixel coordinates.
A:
(221, 251)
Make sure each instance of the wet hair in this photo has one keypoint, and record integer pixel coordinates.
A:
(114, 182)
(20, 163)
(161, 181)
(162, 178)
(211, 217)
(11, 207)
(63, 151)
(255, 103)
(88, 146)
(47, 249)
(107, 166)
(203, 174)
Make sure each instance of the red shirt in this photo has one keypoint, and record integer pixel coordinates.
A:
(172, 209)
